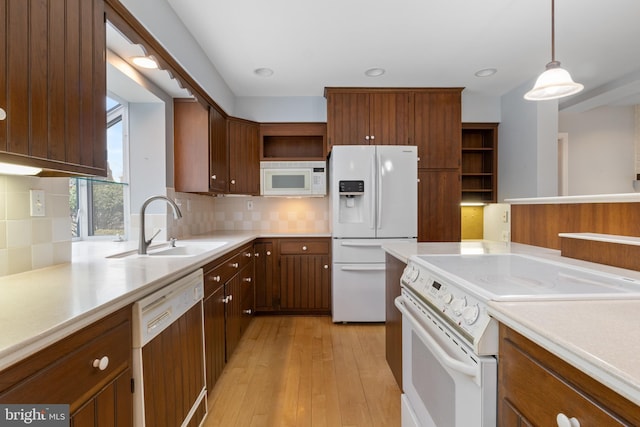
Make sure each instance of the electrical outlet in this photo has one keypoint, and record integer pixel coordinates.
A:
(249, 205)
(37, 202)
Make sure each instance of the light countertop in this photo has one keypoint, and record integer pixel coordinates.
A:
(601, 338)
(39, 307)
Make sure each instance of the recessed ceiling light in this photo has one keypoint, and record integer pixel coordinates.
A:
(374, 72)
(486, 72)
(145, 62)
(263, 72)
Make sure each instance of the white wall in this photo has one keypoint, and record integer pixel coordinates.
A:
(601, 150)
(527, 147)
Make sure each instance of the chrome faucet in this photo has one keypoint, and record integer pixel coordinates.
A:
(144, 243)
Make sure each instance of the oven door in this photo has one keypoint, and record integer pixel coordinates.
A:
(445, 383)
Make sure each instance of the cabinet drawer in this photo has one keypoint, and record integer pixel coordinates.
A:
(301, 247)
(223, 272)
(73, 378)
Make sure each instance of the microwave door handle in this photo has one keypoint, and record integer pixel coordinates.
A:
(456, 365)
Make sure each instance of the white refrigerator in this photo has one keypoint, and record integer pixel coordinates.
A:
(374, 199)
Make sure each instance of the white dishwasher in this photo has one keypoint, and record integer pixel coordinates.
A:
(168, 355)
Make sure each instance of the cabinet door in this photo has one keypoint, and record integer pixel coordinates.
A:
(214, 335)
(190, 146)
(438, 128)
(347, 118)
(53, 78)
(266, 293)
(391, 118)
(218, 152)
(393, 318)
(305, 283)
(112, 407)
(439, 206)
(246, 297)
(233, 314)
(244, 157)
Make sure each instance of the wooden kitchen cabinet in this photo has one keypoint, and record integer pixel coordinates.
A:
(53, 85)
(438, 128)
(480, 162)
(393, 318)
(64, 373)
(200, 148)
(227, 308)
(534, 386)
(305, 275)
(293, 141)
(439, 205)
(267, 293)
(369, 116)
(244, 157)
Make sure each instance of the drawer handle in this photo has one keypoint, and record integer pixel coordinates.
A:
(564, 421)
(101, 363)
(247, 311)
(215, 278)
(268, 252)
(246, 279)
(234, 265)
(304, 248)
(3, 114)
(248, 254)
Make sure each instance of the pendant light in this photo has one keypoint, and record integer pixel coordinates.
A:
(555, 82)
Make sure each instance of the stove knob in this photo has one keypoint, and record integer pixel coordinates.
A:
(415, 272)
(458, 305)
(470, 314)
(446, 298)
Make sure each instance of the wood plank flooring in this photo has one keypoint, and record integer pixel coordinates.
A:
(306, 371)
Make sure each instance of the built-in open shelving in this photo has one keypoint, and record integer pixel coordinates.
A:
(479, 162)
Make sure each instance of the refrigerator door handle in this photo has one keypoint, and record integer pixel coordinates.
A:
(372, 199)
(362, 244)
(363, 268)
(379, 175)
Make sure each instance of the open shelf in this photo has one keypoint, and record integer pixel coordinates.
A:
(293, 141)
(479, 162)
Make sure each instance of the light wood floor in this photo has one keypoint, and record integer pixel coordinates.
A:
(306, 371)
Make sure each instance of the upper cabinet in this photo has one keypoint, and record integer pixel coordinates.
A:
(244, 157)
(438, 127)
(369, 116)
(293, 141)
(53, 85)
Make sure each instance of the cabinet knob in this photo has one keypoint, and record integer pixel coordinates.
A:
(366, 137)
(247, 279)
(101, 363)
(564, 421)
(268, 252)
(247, 254)
(373, 137)
(326, 266)
(3, 114)
(234, 264)
(304, 248)
(213, 177)
(215, 278)
(233, 181)
(227, 299)
(247, 311)
(256, 254)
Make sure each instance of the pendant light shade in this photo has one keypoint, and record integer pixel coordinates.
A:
(555, 82)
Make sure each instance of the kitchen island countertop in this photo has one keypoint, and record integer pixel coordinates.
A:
(40, 307)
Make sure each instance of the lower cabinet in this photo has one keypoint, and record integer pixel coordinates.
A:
(228, 307)
(393, 318)
(535, 388)
(293, 275)
(74, 371)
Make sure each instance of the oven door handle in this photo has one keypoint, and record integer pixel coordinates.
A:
(463, 368)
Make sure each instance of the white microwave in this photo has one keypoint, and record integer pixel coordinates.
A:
(291, 178)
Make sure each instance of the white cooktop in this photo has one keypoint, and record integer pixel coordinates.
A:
(514, 277)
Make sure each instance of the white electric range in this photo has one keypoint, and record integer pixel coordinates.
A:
(449, 339)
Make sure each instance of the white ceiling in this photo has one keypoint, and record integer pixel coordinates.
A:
(311, 44)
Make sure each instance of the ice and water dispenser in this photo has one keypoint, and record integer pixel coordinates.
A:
(351, 204)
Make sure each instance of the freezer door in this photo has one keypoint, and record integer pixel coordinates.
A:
(353, 215)
(358, 292)
(397, 195)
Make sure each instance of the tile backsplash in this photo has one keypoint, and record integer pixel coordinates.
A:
(27, 242)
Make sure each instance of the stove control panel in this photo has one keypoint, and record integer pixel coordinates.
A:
(464, 312)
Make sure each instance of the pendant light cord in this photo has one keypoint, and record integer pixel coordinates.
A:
(553, 31)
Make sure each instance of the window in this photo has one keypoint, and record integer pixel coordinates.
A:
(99, 207)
